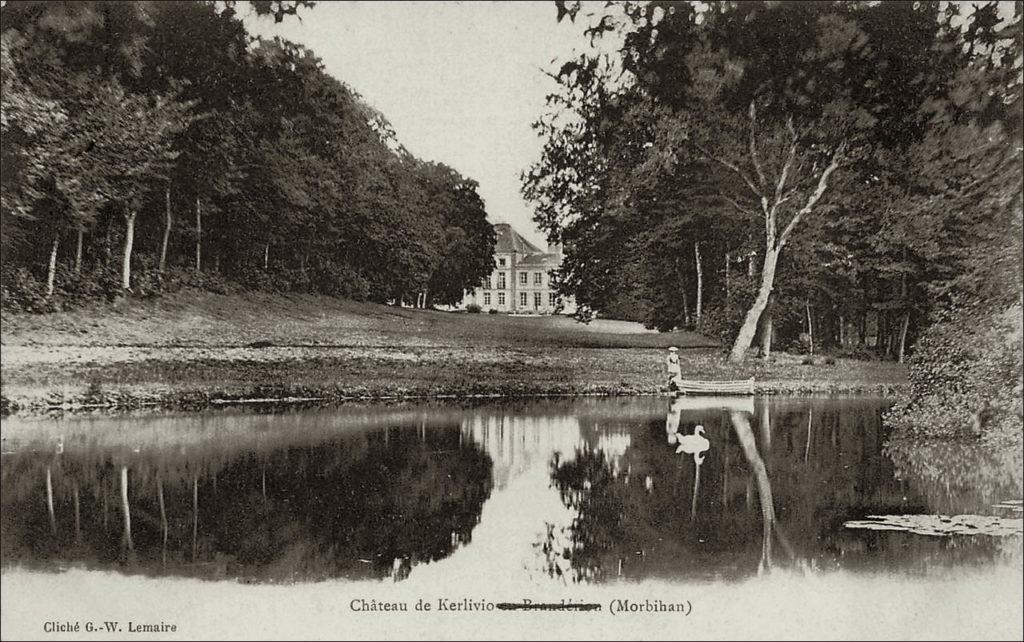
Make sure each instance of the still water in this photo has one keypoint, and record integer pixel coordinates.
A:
(581, 491)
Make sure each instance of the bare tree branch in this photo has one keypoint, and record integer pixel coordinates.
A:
(739, 207)
(734, 168)
(790, 158)
(761, 180)
(813, 199)
(780, 198)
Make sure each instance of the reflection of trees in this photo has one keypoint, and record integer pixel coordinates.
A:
(957, 477)
(627, 526)
(769, 524)
(620, 517)
(370, 504)
(785, 479)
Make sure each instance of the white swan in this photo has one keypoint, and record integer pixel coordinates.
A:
(695, 444)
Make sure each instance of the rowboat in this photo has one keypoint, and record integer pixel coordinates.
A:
(690, 387)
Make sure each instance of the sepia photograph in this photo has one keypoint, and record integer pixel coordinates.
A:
(553, 319)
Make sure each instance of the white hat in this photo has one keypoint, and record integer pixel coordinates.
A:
(673, 349)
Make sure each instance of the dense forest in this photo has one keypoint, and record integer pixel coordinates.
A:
(151, 146)
(837, 175)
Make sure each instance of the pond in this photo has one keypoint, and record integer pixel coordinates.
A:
(569, 492)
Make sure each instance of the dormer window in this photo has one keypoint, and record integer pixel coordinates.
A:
(501, 262)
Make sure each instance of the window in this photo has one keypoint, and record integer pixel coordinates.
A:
(522, 299)
(487, 283)
(487, 298)
(523, 278)
(501, 262)
(538, 278)
(536, 300)
(552, 299)
(501, 298)
(501, 280)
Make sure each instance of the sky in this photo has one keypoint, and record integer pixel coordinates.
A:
(460, 82)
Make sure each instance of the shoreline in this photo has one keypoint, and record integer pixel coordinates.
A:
(128, 399)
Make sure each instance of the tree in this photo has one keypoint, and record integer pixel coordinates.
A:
(786, 114)
(125, 115)
(30, 130)
(127, 141)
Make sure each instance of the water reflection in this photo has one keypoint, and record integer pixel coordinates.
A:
(363, 504)
(793, 483)
(574, 491)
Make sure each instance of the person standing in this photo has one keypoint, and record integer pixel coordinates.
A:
(672, 364)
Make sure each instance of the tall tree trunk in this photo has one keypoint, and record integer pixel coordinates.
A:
(129, 240)
(890, 332)
(51, 268)
(266, 256)
(881, 330)
(766, 331)
(78, 249)
(199, 235)
(903, 334)
(727, 290)
(810, 325)
(749, 327)
(842, 331)
(108, 242)
(700, 281)
(126, 538)
(168, 221)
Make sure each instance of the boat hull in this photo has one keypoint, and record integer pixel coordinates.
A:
(740, 387)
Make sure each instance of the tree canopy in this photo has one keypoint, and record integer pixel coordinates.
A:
(847, 170)
(149, 145)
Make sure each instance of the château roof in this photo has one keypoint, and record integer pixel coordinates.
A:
(509, 241)
(541, 260)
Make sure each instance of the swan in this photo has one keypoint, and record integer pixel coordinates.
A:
(695, 444)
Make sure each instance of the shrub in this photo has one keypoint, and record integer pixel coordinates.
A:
(21, 291)
(492, 311)
(965, 377)
(473, 308)
(93, 282)
(336, 280)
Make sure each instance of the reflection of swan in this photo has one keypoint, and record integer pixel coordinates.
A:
(695, 444)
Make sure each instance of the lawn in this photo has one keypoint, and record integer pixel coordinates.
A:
(189, 350)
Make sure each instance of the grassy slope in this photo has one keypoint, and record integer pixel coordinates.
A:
(193, 347)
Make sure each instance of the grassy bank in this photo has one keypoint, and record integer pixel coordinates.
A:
(196, 349)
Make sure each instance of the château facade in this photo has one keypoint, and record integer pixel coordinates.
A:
(521, 280)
